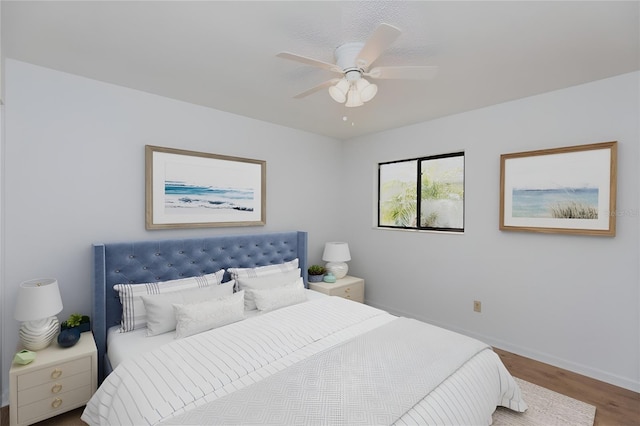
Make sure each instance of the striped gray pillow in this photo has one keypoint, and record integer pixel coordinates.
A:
(134, 315)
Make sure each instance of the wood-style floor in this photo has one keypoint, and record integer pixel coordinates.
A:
(614, 406)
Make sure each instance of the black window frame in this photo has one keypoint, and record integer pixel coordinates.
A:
(419, 161)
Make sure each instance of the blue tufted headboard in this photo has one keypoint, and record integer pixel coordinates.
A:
(153, 261)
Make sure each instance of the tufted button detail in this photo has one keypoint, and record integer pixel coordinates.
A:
(157, 254)
(131, 256)
(145, 268)
(117, 271)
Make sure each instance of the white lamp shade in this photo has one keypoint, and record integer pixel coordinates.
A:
(336, 252)
(38, 299)
(339, 91)
(367, 90)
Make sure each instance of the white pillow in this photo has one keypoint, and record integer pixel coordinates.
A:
(263, 270)
(193, 318)
(134, 315)
(270, 299)
(161, 317)
(276, 279)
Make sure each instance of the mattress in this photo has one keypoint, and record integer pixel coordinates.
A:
(121, 346)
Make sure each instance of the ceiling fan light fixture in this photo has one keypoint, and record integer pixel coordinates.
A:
(366, 90)
(339, 91)
(353, 98)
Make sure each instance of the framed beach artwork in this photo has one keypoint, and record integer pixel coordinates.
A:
(187, 189)
(570, 190)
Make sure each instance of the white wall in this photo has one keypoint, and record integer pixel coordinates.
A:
(572, 301)
(74, 175)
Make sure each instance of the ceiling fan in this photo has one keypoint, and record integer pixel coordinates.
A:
(353, 61)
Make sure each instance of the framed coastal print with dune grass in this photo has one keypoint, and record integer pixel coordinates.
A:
(570, 190)
(188, 189)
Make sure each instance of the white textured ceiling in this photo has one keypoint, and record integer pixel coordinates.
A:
(222, 54)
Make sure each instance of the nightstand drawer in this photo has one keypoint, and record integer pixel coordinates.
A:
(53, 405)
(54, 388)
(53, 373)
(353, 292)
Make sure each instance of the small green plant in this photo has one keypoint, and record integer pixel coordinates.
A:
(75, 320)
(316, 270)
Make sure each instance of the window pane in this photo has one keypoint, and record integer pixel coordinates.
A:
(442, 193)
(398, 194)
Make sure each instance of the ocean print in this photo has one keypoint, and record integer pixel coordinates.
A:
(184, 197)
(558, 203)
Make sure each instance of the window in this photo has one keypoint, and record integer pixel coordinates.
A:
(429, 188)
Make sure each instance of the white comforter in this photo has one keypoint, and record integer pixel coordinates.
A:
(165, 383)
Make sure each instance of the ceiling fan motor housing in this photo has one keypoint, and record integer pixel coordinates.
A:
(346, 56)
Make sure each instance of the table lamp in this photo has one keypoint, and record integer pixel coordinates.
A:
(336, 254)
(37, 305)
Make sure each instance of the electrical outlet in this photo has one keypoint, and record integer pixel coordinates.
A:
(477, 306)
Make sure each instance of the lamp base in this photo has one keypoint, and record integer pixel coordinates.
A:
(37, 335)
(338, 269)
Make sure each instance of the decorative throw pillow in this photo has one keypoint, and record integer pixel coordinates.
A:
(134, 315)
(279, 297)
(161, 317)
(263, 270)
(276, 279)
(193, 318)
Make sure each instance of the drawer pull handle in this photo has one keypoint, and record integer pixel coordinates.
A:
(56, 388)
(56, 373)
(347, 290)
(56, 403)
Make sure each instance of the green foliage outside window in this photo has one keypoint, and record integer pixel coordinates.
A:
(441, 193)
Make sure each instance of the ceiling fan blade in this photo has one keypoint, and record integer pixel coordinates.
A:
(404, 72)
(378, 42)
(317, 88)
(309, 61)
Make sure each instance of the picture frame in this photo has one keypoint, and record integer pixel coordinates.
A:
(189, 189)
(568, 190)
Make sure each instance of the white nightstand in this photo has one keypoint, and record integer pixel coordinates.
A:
(59, 380)
(347, 287)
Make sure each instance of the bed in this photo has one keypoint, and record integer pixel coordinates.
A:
(270, 354)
